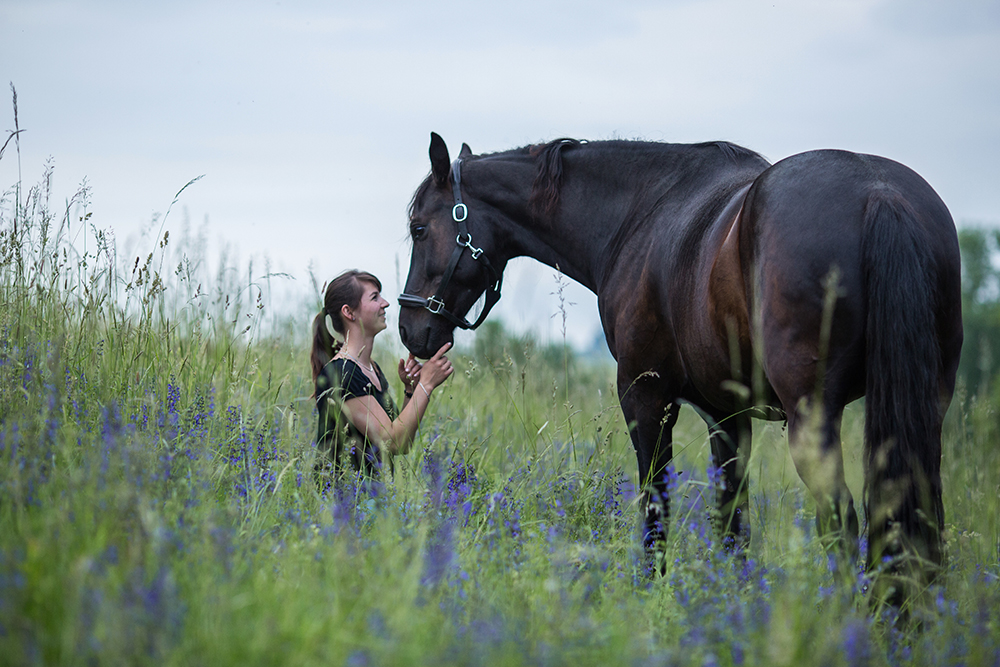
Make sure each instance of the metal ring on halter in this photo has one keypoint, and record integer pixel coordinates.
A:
(455, 211)
(476, 252)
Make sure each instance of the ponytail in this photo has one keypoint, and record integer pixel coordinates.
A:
(324, 346)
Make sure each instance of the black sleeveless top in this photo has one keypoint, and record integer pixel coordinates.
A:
(337, 437)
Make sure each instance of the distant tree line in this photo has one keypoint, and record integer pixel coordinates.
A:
(978, 369)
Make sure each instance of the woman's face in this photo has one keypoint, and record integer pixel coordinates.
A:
(371, 311)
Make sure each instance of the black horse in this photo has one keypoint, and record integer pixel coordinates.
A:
(740, 288)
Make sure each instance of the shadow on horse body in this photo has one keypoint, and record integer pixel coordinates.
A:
(741, 288)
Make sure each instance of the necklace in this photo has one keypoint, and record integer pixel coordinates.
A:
(370, 368)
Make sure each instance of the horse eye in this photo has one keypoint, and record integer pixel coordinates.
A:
(418, 231)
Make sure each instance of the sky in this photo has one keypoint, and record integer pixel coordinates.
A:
(309, 122)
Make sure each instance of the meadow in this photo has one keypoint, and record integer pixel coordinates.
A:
(158, 503)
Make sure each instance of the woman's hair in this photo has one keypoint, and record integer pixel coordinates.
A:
(346, 289)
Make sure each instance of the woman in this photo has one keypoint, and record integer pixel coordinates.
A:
(356, 414)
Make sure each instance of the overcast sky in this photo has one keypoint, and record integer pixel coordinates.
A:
(310, 120)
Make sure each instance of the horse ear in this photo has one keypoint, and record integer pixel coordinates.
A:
(465, 152)
(440, 162)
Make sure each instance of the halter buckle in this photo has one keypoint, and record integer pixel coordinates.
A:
(435, 305)
(459, 209)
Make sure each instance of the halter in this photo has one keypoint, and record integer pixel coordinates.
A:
(435, 304)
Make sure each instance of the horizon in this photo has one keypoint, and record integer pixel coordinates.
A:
(311, 122)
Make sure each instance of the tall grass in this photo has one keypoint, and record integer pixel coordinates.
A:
(158, 503)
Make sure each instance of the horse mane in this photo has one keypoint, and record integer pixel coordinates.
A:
(545, 189)
(733, 151)
(418, 197)
(544, 198)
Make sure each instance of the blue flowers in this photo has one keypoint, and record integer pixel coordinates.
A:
(450, 488)
(856, 643)
(141, 520)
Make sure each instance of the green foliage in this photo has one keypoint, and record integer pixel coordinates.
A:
(158, 503)
(980, 308)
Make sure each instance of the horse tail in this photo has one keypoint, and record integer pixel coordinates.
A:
(902, 418)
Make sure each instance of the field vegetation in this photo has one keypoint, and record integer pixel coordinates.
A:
(158, 503)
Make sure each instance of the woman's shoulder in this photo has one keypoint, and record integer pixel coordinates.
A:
(337, 363)
(351, 378)
(335, 372)
(332, 368)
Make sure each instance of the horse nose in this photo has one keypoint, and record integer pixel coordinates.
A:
(404, 335)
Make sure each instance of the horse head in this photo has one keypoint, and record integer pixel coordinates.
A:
(453, 262)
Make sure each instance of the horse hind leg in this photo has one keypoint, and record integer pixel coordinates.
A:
(812, 365)
(815, 445)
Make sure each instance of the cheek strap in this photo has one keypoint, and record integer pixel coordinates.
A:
(435, 304)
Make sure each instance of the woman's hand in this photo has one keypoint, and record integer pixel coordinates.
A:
(397, 435)
(437, 369)
(409, 373)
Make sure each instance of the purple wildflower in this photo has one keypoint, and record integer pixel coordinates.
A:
(439, 555)
(111, 428)
(856, 643)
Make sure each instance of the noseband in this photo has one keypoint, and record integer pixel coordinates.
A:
(435, 304)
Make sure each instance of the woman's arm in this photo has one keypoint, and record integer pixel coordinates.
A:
(397, 435)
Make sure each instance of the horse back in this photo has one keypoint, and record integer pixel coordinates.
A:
(805, 217)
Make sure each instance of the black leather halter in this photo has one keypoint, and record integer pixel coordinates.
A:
(435, 304)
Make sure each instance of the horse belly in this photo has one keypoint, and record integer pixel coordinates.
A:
(718, 348)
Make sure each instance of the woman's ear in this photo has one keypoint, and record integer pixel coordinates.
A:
(345, 311)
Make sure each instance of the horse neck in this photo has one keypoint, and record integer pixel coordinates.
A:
(573, 240)
(569, 244)
(608, 192)
(632, 194)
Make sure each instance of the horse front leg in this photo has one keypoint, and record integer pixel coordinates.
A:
(730, 441)
(651, 419)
